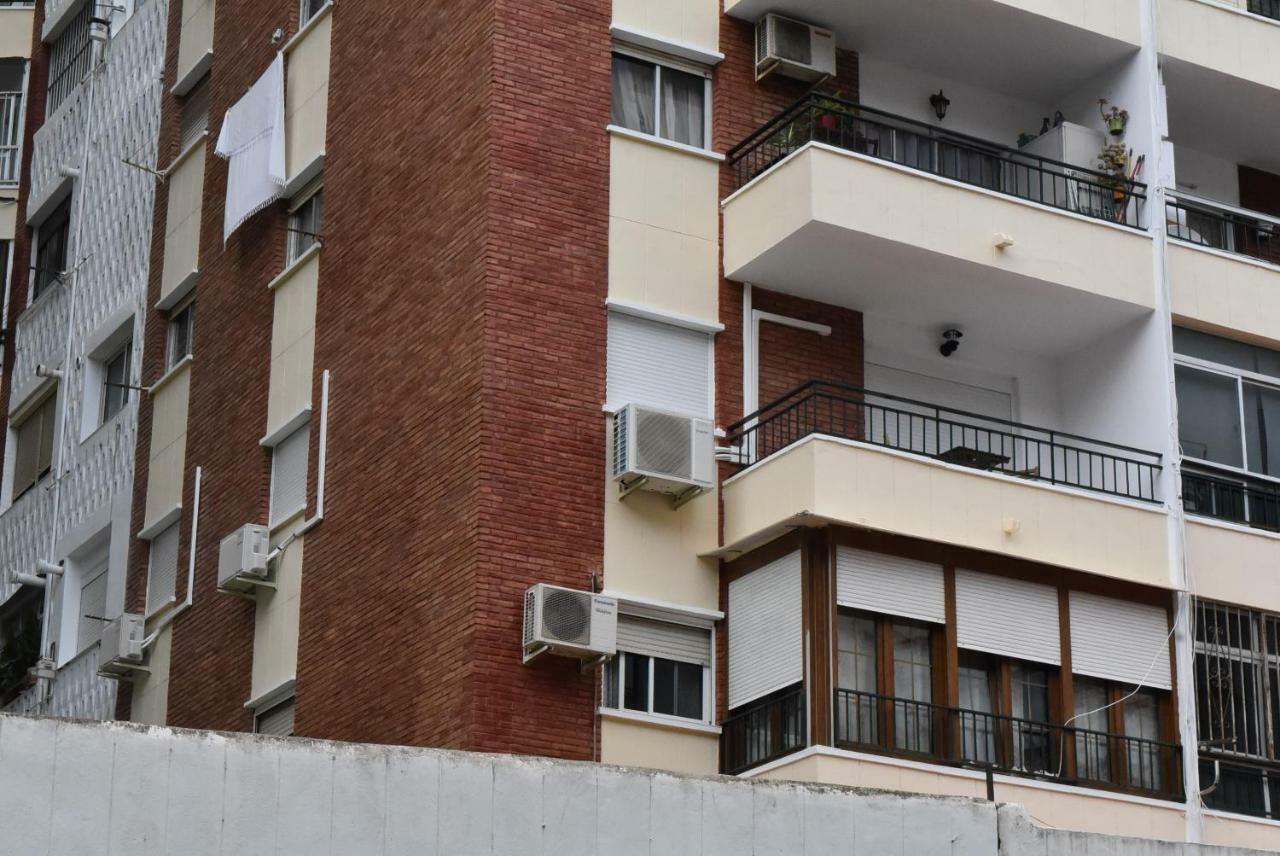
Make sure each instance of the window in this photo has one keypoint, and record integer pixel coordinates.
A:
(276, 720)
(93, 608)
(913, 686)
(1093, 723)
(182, 329)
(162, 570)
(19, 640)
(1032, 744)
(310, 8)
(289, 475)
(305, 222)
(195, 114)
(660, 100)
(1237, 667)
(116, 379)
(69, 58)
(656, 685)
(856, 716)
(33, 445)
(52, 246)
(12, 82)
(979, 685)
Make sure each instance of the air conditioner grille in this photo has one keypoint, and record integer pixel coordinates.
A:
(792, 42)
(620, 462)
(530, 616)
(662, 444)
(566, 616)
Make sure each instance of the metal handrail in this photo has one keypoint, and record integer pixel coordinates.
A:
(1240, 787)
(1223, 227)
(1008, 744)
(857, 127)
(763, 731)
(1265, 8)
(857, 413)
(1221, 495)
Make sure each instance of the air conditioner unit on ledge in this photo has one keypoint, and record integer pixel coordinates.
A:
(242, 558)
(569, 623)
(794, 49)
(121, 650)
(660, 451)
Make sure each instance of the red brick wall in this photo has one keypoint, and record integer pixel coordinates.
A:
(788, 356)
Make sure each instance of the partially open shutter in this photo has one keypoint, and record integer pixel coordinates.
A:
(664, 639)
(890, 585)
(1120, 641)
(766, 638)
(1011, 618)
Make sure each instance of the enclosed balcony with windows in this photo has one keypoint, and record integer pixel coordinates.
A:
(883, 662)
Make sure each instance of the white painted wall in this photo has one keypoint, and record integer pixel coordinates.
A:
(1207, 175)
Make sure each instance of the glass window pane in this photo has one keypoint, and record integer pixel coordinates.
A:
(1262, 429)
(1208, 416)
(633, 82)
(688, 690)
(857, 653)
(683, 107)
(913, 688)
(1216, 349)
(1031, 741)
(1093, 754)
(1142, 722)
(976, 706)
(635, 691)
(664, 686)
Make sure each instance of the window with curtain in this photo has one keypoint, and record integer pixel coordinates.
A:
(661, 100)
(856, 719)
(913, 686)
(1093, 751)
(979, 689)
(1032, 744)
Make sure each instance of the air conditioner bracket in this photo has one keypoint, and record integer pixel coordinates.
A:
(589, 664)
(681, 498)
(626, 488)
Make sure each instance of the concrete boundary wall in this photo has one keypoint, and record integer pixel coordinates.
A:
(112, 788)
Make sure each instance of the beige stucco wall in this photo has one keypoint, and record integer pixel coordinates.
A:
(275, 621)
(150, 699)
(865, 486)
(16, 29)
(293, 342)
(690, 23)
(196, 37)
(1116, 19)
(638, 744)
(663, 228)
(8, 222)
(307, 95)
(1233, 564)
(1229, 294)
(182, 221)
(1252, 833)
(651, 550)
(1220, 37)
(168, 444)
(1076, 809)
(822, 189)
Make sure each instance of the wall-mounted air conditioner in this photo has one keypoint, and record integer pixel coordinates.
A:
(569, 623)
(242, 558)
(794, 49)
(665, 452)
(121, 649)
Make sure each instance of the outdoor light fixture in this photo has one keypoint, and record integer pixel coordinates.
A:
(940, 103)
(950, 342)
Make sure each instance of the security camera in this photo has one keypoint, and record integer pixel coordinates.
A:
(950, 342)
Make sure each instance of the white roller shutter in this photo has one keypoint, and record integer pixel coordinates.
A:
(1011, 618)
(162, 574)
(766, 637)
(289, 475)
(277, 720)
(664, 639)
(1120, 641)
(658, 365)
(890, 585)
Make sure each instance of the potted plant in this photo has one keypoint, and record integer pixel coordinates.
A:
(1113, 161)
(1115, 118)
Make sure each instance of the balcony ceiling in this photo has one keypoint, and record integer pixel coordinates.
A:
(1222, 115)
(976, 41)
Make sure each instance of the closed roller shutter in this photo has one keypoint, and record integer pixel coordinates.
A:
(664, 639)
(766, 639)
(162, 575)
(1120, 641)
(277, 720)
(1007, 617)
(289, 475)
(658, 365)
(890, 585)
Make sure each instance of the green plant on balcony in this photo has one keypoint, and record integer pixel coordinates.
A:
(822, 112)
(1113, 161)
(1116, 119)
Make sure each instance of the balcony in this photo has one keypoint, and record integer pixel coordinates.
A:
(10, 136)
(1241, 788)
(834, 453)
(1232, 497)
(77, 693)
(866, 722)
(1223, 38)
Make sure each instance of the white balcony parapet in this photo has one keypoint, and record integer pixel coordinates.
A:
(10, 136)
(77, 692)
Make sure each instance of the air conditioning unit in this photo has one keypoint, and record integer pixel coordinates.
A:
(242, 558)
(672, 452)
(121, 649)
(569, 623)
(794, 49)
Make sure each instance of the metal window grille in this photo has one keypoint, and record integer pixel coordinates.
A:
(69, 58)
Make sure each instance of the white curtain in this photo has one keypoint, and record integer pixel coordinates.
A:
(682, 107)
(633, 94)
(252, 138)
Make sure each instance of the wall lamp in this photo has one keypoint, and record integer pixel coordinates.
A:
(940, 103)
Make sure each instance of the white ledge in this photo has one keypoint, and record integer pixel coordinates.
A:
(674, 47)
(638, 136)
(161, 523)
(188, 79)
(296, 265)
(321, 13)
(293, 423)
(652, 313)
(670, 723)
(678, 613)
(276, 694)
(164, 380)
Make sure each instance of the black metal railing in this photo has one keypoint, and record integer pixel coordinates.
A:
(1006, 744)
(1234, 498)
(954, 436)
(767, 729)
(1240, 787)
(875, 133)
(1224, 229)
(1265, 8)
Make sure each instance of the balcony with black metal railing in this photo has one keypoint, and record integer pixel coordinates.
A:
(831, 452)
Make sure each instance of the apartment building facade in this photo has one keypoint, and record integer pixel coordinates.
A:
(965, 312)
